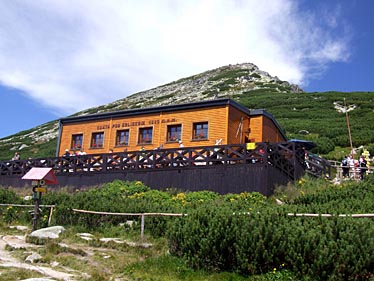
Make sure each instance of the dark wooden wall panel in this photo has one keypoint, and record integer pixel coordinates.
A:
(218, 178)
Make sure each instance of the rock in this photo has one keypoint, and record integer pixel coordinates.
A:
(15, 241)
(279, 202)
(19, 227)
(85, 236)
(73, 250)
(38, 279)
(304, 132)
(52, 232)
(23, 146)
(115, 240)
(140, 245)
(34, 257)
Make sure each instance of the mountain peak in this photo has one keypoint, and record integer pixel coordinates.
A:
(224, 82)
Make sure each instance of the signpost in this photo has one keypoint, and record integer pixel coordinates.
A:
(40, 177)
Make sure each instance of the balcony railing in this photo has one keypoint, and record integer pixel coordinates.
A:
(287, 157)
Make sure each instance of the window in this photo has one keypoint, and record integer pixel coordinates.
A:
(200, 131)
(97, 140)
(76, 141)
(122, 137)
(173, 133)
(145, 135)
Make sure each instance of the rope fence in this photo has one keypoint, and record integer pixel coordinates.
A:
(142, 215)
(332, 215)
(28, 206)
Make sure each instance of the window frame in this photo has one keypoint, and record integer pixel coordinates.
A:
(168, 133)
(197, 132)
(73, 145)
(140, 135)
(118, 137)
(93, 143)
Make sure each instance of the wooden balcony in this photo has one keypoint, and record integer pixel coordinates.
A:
(286, 160)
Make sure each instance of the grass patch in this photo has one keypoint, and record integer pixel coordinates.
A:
(9, 274)
(169, 268)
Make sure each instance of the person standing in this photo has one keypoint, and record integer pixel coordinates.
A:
(351, 165)
(345, 167)
(179, 157)
(66, 160)
(363, 166)
(16, 156)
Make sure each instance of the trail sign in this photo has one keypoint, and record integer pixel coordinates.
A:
(45, 175)
(40, 177)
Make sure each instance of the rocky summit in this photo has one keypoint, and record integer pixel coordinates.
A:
(226, 81)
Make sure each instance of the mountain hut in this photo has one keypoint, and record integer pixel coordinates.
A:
(206, 123)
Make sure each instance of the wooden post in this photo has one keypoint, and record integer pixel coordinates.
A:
(142, 228)
(50, 216)
(36, 211)
(348, 125)
(350, 138)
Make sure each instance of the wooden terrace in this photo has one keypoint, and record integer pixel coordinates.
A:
(222, 168)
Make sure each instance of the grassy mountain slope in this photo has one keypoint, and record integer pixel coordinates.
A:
(319, 117)
(296, 111)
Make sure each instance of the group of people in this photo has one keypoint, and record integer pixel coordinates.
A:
(67, 153)
(349, 166)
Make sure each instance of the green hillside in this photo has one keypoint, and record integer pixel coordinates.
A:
(313, 116)
(310, 116)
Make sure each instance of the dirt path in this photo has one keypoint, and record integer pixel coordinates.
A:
(79, 256)
(18, 242)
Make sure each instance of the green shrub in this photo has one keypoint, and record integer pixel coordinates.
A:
(244, 233)
(324, 145)
(123, 197)
(11, 214)
(8, 196)
(212, 241)
(214, 237)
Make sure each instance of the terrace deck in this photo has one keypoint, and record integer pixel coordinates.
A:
(223, 168)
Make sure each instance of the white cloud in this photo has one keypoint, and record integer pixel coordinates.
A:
(70, 55)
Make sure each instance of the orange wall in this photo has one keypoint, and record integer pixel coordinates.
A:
(255, 124)
(236, 133)
(270, 131)
(215, 117)
(223, 122)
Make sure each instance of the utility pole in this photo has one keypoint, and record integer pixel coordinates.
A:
(350, 138)
(349, 125)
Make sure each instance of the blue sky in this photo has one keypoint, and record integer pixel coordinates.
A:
(62, 56)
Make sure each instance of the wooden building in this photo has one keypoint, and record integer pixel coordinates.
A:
(206, 123)
(227, 149)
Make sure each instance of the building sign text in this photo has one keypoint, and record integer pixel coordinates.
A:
(136, 123)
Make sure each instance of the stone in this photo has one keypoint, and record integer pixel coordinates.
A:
(279, 202)
(85, 236)
(52, 232)
(115, 240)
(38, 279)
(34, 257)
(19, 227)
